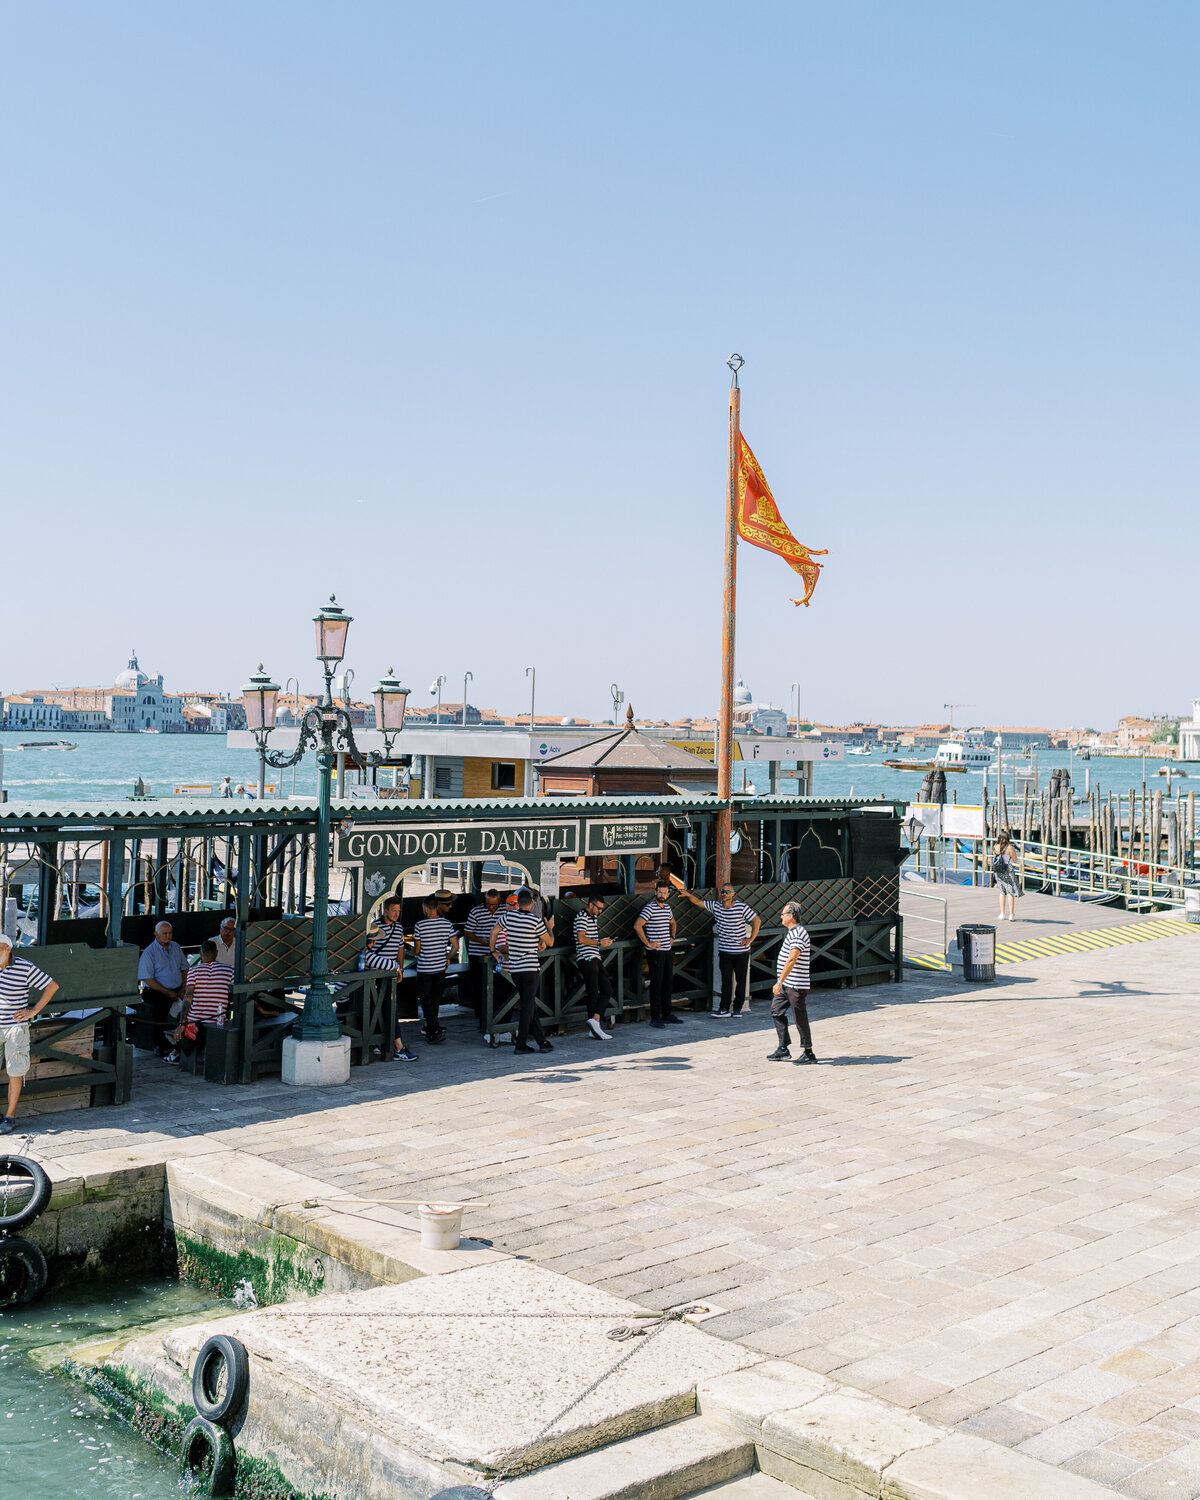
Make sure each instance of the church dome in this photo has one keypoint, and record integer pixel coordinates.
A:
(741, 693)
(132, 676)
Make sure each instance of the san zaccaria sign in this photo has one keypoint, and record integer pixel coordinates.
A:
(382, 853)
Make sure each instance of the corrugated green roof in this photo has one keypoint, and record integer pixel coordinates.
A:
(214, 812)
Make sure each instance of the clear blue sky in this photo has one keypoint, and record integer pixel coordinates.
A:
(430, 305)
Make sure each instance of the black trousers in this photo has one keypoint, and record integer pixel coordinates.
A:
(187, 1047)
(599, 985)
(795, 1001)
(733, 979)
(477, 976)
(160, 1017)
(526, 986)
(429, 998)
(662, 980)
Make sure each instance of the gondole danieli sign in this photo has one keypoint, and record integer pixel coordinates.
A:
(527, 844)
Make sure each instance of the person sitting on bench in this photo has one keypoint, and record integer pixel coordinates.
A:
(205, 1001)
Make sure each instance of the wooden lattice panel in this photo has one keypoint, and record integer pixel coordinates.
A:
(877, 896)
(275, 950)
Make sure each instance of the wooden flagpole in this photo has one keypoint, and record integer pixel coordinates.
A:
(724, 738)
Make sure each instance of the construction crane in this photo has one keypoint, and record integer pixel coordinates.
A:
(951, 707)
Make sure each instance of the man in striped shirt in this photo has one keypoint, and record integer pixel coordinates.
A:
(791, 986)
(480, 922)
(386, 951)
(433, 938)
(524, 936)
(588, 944)
(17, 977)
(655, 928)
(731, 918)
(205, 1000)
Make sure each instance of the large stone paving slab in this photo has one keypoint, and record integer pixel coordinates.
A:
(982, 1206)
(472, 1368)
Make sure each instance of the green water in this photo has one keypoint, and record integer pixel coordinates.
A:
(56, 1440)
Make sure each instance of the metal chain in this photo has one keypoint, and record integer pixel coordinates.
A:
(621, 1333)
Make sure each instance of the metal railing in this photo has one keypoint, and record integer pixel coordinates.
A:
(925, 928)
(1090, 876)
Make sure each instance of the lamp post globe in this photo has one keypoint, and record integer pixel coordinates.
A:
(391, 703)
(260, 698)
(333, 624)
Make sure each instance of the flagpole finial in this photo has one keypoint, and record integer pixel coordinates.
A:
(735, 363)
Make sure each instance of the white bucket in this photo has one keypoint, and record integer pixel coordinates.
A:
(441, 1225)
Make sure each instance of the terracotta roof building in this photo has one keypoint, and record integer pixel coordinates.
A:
(625, 763)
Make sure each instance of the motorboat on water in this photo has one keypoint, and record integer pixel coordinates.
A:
(858, 749)
(964, 755)
(48, 745)
(923, 765)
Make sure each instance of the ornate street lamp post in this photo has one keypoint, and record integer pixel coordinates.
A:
(326, 729)
(260, 698)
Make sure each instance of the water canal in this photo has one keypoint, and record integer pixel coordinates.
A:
(104, 767)
(57, 1441)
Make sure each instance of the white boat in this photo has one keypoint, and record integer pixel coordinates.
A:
(964, 755)
(858, 749)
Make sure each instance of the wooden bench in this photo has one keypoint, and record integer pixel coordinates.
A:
(249, 1045)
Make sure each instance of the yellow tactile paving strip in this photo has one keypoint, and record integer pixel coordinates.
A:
(1023, 950)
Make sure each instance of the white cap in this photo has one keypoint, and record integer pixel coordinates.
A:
(4, 938)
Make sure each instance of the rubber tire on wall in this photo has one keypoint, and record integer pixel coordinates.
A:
(29, 1259)
(25, 1166)
(221, 1348)
(199, 1435)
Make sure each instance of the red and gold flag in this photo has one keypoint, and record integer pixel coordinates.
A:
(759, 522)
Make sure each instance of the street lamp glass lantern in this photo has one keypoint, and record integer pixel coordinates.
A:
(260, 697)
(391, 700)
(332, 623)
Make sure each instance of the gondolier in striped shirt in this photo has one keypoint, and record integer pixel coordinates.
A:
(523, 935)
(17, 977)
(731, 918)
(205, 1001)
(588, 944)
(655, 928)
(386, 951)
(791, 987)
(433, 938)
(480, 922)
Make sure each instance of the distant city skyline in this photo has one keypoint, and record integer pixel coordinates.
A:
(452, 342)
(751, 709)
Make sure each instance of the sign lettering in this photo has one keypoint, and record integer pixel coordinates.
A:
(400, 848)
(623, 836)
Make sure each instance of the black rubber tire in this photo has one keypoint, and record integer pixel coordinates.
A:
(207, 1458)
(23, 1271)
(221, 1353)
(24, 1166)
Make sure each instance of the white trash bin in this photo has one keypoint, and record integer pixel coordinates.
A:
(1191, 905)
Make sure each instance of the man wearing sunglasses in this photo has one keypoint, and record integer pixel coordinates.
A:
(731, 918)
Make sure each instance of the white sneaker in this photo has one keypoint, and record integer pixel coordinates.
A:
(598, 1030)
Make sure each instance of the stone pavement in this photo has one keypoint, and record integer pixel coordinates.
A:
(982, 1206)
